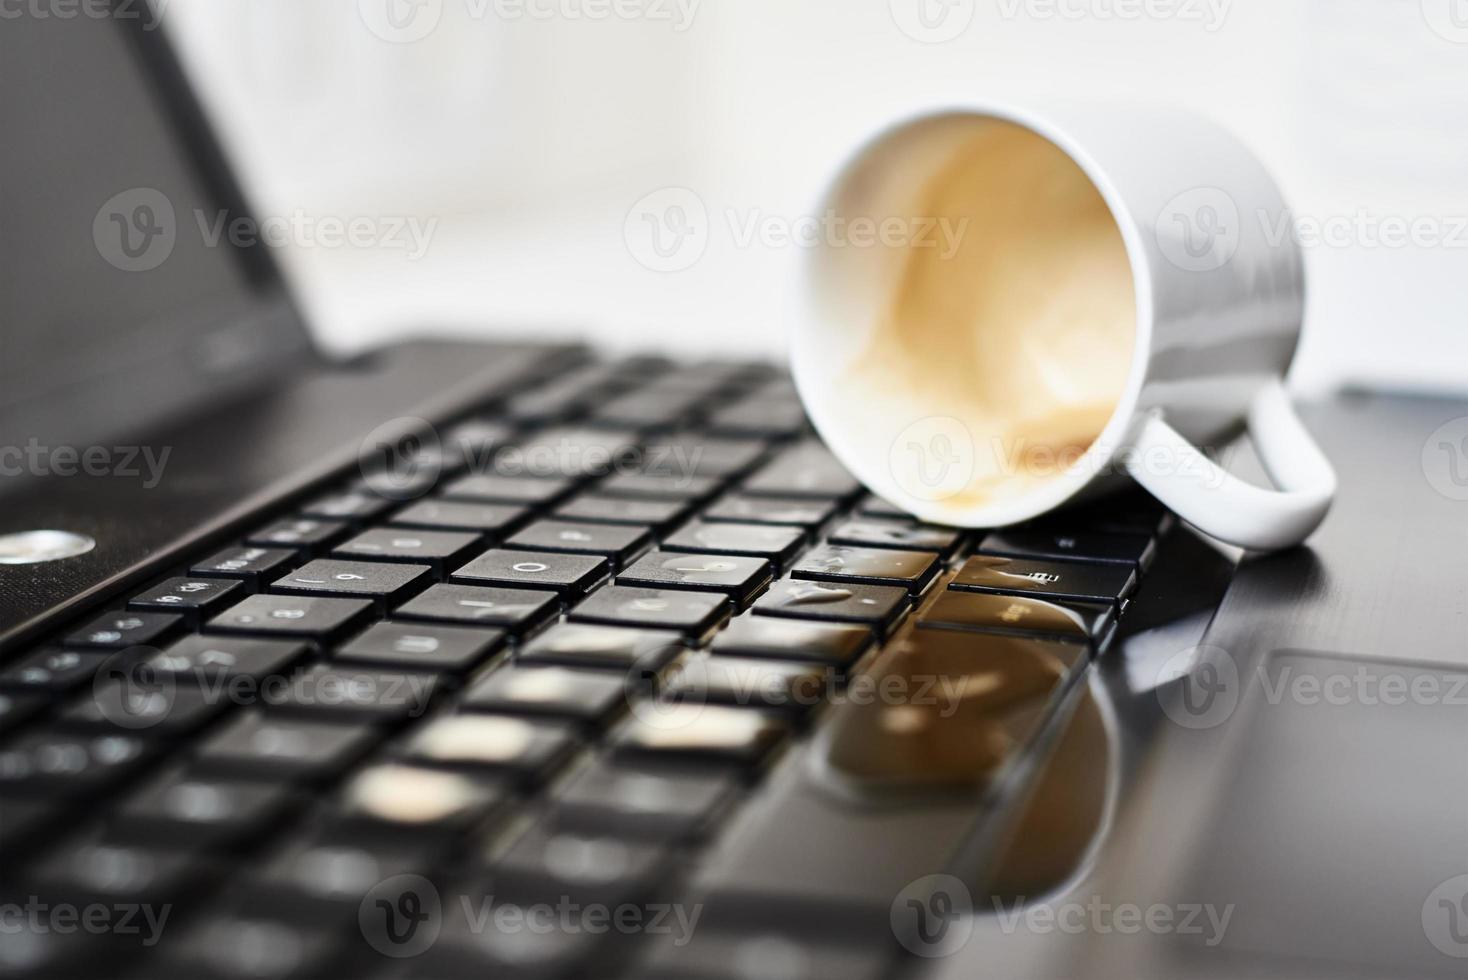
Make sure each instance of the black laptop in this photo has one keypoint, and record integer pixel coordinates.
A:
(514, 660)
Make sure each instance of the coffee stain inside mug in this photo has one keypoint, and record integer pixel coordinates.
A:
(1026, 330)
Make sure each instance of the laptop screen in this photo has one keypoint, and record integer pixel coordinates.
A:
(125, 298)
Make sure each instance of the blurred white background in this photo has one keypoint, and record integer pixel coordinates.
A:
(521, 135)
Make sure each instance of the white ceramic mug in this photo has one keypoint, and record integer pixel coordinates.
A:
(1046, 302)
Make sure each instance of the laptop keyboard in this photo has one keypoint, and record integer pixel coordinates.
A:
(627, 642)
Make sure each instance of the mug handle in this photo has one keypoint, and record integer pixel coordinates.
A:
(1227, 508)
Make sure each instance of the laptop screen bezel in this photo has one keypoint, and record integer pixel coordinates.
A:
(266, 328)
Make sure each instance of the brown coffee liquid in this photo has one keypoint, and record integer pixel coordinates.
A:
(1025, 332)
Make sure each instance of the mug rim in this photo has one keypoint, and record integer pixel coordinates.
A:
(1119, 428)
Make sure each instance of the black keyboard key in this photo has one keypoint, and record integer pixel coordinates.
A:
(243, 947)
(589, 697)
(620, 543)
(186, 809)
(120, 630)
(285, 615)
(356, 693)
(806, 469)
(52, 762)
(565, 396)
(832, 644)
(421, 801)
(441, 550)
(52, 670)
(649, 408)
(352, 505)
(875, 533)
(692, 613)
(740, 577)
(384, 582)
(496, 488)
(204, 660)
(193, 597)
(748, 682)
(739, 952)
(809, 512)
(570, 575)
(269, 746)
(101, 870)
(246, 562)
(416, 646)
(912, 570)
(609, 647)
(304, 533)
(148, 704)
(547, 865)
(1128, 513)
(702, 455)
(1100, 546)
(320, 871)
(778, 543)
(699, 732)
(622, 802)
(874, 506)
(876, 606)
(527, 748)
(569, 453)
(602, 509)
(18, 708)
(474, 443)
(1075, 621)
(1071, 580)
(22, 824)
(757, 415)
(491, 520)
(660, 486)
(517, 610)
(554, 949)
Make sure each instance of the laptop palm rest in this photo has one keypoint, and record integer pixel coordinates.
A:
(1342, 834)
